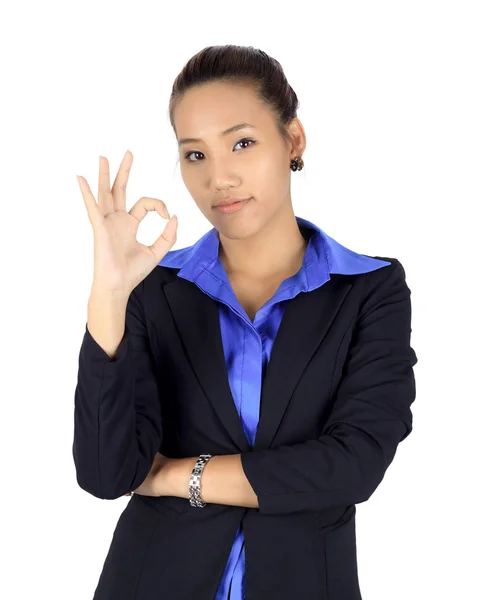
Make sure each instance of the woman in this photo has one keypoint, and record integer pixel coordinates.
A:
(250, 389)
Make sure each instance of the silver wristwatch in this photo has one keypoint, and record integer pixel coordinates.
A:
(195, 478)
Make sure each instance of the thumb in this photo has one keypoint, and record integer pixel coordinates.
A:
(166, 240)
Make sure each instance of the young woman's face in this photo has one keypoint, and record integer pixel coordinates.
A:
(252, 162)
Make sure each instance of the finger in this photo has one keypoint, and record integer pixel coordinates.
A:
(93, 210)
(118, 189)
(145, 204)
(166, 240)
(105, 199)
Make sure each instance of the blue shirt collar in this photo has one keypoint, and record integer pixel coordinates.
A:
(323, 256)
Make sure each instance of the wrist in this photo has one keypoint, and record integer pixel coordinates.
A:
(174, 477)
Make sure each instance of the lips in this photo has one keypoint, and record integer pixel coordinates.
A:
(234, 207)
(228, 201)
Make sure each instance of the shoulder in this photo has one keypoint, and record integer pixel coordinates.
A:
(389, 271)
(150, 290)
(385, 286)
(387, 275)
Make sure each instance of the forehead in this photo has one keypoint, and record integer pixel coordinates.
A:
(208, 109)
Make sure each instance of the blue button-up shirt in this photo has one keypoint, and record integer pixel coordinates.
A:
(247, 344)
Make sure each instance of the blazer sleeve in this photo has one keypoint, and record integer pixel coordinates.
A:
(117, 413)
(371, 414)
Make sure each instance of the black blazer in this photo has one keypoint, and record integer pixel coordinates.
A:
(335, 405)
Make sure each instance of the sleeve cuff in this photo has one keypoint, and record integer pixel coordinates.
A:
(94, 352)
(266, 504)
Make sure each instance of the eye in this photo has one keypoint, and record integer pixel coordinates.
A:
(188, 154)
(245, 140)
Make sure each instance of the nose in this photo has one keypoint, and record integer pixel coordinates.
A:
(222, 176)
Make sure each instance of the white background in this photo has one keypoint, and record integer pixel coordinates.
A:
(389, 101)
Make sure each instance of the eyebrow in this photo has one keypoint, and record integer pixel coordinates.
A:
(225, 132)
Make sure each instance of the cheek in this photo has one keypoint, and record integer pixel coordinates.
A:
(188, 177)
(269, 181)
(194, 184)
(269, 168)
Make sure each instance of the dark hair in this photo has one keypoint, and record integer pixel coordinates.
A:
(240, 64)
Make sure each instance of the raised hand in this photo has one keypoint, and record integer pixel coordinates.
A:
(120, 261)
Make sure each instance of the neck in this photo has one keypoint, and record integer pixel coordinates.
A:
(275, 250)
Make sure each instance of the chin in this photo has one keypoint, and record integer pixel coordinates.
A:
(240, 230)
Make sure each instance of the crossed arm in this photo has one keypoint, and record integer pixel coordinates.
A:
(223, 480)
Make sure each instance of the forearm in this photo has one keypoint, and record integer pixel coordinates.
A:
(222, 482)
(117, 417)
(106, 318)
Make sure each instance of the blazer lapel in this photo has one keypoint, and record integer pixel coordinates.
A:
(197, 318)
(305, 322)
